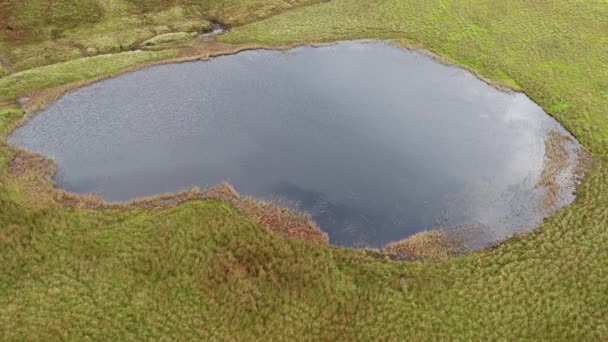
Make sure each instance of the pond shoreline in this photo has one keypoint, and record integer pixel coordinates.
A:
(304, 228)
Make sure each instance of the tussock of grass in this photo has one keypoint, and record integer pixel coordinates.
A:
(432, 245)
(282, 220)
(557, 158)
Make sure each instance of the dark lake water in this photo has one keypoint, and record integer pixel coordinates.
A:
(376, 142)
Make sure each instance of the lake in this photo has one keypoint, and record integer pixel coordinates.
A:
(375, 142)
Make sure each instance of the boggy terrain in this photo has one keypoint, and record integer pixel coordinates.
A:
(201, 269)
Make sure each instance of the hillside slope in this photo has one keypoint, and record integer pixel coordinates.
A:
(200, 270)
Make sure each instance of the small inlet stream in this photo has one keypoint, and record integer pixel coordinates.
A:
(376, 142)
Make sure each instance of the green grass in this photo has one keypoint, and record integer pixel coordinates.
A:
(202, 271)
(73, 71)
(8, 115)
(32, 55)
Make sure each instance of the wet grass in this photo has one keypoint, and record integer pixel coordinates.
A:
(202, 270)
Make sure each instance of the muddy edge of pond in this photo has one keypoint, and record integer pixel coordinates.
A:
(34, 172)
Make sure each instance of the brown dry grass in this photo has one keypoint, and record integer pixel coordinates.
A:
(282, 220)
(26, 162)
(434, 245)
(557, 160)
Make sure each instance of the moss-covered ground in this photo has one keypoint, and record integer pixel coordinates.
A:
(200, 270)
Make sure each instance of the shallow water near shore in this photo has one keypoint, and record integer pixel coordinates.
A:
(375, 142)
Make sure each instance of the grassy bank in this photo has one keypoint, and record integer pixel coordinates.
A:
(202, 270)
(35, 33)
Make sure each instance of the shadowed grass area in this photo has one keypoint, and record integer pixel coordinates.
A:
(200, 270)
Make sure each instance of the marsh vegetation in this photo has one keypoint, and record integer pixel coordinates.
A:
(202, 270)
